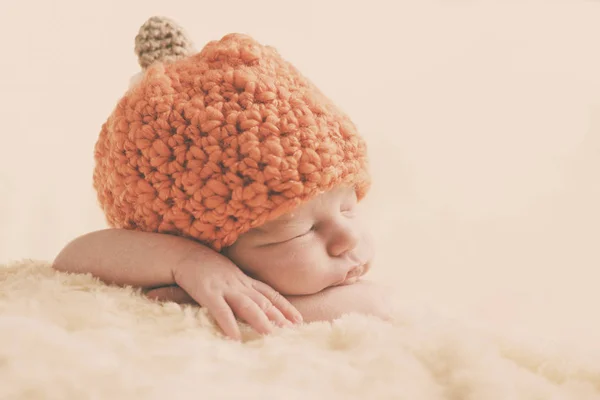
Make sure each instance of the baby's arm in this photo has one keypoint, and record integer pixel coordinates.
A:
(152, 260)
(130, 258)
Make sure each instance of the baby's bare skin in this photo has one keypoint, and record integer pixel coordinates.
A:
(362, 297)
(150, 261)
(322, 243)
(305, 263)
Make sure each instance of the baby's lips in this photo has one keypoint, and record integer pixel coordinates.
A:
(365, 268)
(352, 276)
(357, 271)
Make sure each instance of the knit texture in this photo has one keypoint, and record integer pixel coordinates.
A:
(214, 144)
(161, 39)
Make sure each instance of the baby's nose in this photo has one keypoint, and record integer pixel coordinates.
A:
(343, 240)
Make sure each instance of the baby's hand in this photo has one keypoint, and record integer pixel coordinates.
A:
(226, 292)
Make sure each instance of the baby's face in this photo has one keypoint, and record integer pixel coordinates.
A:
(322, 243)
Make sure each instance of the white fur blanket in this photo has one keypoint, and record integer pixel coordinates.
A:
(71, 337)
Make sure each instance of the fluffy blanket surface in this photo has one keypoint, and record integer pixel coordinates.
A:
(72, 337)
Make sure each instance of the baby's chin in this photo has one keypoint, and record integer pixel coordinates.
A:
(353, 276)
(349, 280)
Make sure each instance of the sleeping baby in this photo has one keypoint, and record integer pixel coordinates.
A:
(231, 182)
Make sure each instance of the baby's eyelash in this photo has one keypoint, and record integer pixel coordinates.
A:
(312, 228)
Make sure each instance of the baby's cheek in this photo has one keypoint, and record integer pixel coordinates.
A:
(309, 270)
(280, 271)
(319, 270)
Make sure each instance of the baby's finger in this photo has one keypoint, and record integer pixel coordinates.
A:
(268, 308)
(247, 309)
(222, 313)
(280, 302)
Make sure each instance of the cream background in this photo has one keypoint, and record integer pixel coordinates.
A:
(483, 119)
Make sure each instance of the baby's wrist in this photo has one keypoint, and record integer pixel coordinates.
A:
(194, 258)
(189, 260)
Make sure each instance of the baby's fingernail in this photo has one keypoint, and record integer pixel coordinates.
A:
(298, 319)
(283, 324)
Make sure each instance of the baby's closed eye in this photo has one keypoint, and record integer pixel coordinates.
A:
(296, 232)
(287, 233)
(348, 209)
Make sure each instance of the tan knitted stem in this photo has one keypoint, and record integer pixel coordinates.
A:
(161, 39)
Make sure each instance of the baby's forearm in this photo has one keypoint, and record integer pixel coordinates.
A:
(128, 258)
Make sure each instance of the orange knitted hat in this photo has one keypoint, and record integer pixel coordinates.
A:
(209, 145)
